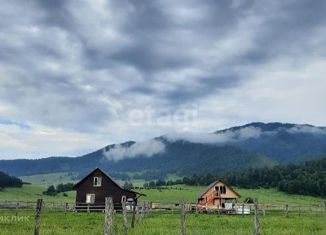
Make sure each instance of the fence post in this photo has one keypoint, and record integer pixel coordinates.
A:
(183, 217)
(134, 205)
(39, 204)
(242, 209)
(17, 208)
(124, 211)
(143, 210)
(109, 210)
(257, 225)
(325, 208)
(147, 208)
(88, 208)
(137, 214)
(286, 210)
(66, 207)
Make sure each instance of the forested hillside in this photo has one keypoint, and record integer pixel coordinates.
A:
(307, 178)
(9, 181)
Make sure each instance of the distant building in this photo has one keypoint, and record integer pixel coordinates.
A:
(95, 187)
(218, 196)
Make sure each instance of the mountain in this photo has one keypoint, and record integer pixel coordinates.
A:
(285, 143)
(236, 148)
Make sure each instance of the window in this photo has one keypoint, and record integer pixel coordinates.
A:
(97, 181)
(90, 198)
(222, 189)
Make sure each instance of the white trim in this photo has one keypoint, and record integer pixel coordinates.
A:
(90, 198)
(97, 181)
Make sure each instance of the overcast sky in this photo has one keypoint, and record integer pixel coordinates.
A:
(78, 75)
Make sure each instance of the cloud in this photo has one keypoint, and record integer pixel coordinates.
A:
(144, 149)
(83, 66)
(216, 138)
(307, 129)
(20, 141)
(242, 134)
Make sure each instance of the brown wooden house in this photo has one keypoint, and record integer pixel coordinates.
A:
(95, 187)
(218, 196)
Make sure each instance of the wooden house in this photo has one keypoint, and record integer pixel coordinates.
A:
(95, 187)
(218, 196)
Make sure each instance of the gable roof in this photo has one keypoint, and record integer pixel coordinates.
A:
(110, 178)
(215, 182)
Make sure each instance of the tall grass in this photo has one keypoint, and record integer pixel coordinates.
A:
(163, 224)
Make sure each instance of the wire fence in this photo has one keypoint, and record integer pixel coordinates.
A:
(238, 208)
(142, 210)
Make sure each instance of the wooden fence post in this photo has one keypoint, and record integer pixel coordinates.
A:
(143, 210)
(286, 210)
(257, 225)
(137, 214)
(66, 207)
(242, 209)
(147, 208)
(17, 208)
(325, 208)
(124, 211)
(109, 213)
(183, 217)
(88, 208)
(134, 205)
(39, 204)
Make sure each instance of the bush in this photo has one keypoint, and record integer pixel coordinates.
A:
(52, 191)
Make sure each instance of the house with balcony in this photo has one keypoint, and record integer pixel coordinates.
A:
(218, 196)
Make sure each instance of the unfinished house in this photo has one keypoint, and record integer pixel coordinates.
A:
(218, 197)
(95, 187)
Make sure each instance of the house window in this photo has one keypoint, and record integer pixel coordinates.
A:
(97, 181)
(90, 198)
(222, 189)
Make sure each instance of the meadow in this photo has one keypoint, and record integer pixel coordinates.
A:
(53, 222)
(162, 224)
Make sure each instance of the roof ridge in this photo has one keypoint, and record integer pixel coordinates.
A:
(107, 175)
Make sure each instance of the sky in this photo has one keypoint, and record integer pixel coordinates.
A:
(78, 75)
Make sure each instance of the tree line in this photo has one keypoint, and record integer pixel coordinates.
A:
(9, 181)
(308, 178)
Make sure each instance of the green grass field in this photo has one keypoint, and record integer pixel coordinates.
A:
(50, 178)
(161, 224)
(32, 193)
